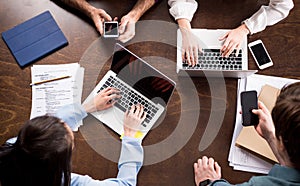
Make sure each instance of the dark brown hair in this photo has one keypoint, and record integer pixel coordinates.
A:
(40, 156)
(286, 118)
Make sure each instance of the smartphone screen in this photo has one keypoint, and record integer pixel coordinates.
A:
(249, 102)
(260, 54)
(111, 29)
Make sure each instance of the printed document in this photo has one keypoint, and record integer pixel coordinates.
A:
(48, 97)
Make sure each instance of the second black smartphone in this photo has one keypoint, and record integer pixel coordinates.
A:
(249, 102)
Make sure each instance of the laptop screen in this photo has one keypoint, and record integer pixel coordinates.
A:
(141, 76)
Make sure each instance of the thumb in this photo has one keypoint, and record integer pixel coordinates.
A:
(218, 169)
(123, 25)
(106, 16)
(255, 111)
(195, 168)
(99, 25)
(258, 112)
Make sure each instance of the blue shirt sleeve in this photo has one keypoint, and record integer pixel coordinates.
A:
(220, 182)
(130, 162)
(72, 115)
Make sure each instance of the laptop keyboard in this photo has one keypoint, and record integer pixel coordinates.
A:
(212, 59)
(129, 98)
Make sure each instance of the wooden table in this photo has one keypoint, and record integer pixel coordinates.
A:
(172, 146)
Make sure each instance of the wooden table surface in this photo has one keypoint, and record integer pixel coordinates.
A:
(172, 146)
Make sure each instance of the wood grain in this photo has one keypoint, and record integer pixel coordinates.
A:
(281, 40)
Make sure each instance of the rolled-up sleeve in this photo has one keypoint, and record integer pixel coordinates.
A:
(130, 163)
(182, 9)
(269, 15)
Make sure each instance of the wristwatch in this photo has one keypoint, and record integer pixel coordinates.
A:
(205, 182)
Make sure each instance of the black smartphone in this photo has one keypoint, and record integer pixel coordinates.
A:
(249, 102)
(260, 54)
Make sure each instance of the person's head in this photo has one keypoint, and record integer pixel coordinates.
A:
(41, 154)
(286, 118)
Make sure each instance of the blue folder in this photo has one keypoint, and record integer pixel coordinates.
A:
(34, 39)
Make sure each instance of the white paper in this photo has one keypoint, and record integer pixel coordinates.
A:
(48, 97)
(239, 158)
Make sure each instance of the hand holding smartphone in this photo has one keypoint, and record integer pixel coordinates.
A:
(260, 54)
(249, 101)
(111, 29)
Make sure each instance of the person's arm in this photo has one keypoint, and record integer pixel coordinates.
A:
(130, 162)
(98, 15)
(206, 169)
(131, 157)
(265, 16)
(139, 9)
(81, 5)
(127, 23)
(183, 12)
(103, 100)
(72, 114)
(266, 129)
(183, 9)
(269, 15)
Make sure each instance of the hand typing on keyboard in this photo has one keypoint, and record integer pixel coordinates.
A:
(212, 59)
(233, 40)
(190, 47)
(105, 99)
(129, 98)
(133, 119)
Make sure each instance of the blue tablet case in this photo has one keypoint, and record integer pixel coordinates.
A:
(34, 38)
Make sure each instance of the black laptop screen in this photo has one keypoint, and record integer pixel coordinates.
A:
(142, 77)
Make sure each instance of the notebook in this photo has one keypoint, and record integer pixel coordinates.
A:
(210, 63)
(34, 39)
(138, 82)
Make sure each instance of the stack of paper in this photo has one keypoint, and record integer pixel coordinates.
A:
(241, 159)
(48, 97)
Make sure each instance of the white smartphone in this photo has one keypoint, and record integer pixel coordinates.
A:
(260, 54)
(111, 29)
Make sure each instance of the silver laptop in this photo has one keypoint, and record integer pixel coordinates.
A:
(210, 62)
(138, 82)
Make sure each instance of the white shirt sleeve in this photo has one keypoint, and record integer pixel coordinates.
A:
(182, 9)
(269, 15)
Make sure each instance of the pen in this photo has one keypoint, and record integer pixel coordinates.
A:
(49, 80)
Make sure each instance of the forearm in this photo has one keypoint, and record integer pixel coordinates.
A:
(131, 160)
(89, 107)
(243, 27)
(140, 8)
(81, 5)
(72, 114)
(184, 24)
(269, 15)
(272, 141)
